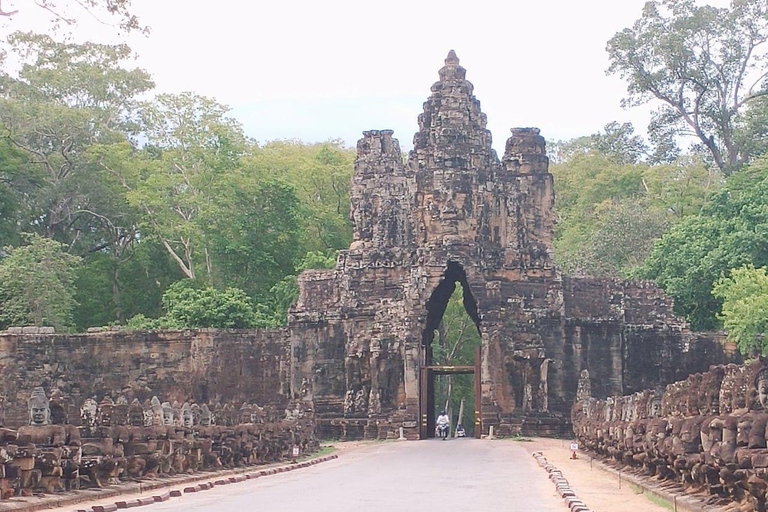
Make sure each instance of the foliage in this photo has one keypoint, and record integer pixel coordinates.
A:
(622, 236)
(65, 99)
(745, 307)
(611, 213)
(321, 174)
(730, 231)
(36, 284)
(187, 306)
(617, 142)
(66, 12)
(702, 64)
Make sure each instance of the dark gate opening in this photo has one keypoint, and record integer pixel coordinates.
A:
(463, 357)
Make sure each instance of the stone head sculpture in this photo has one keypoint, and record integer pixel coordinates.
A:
(654, 404)
(157, 412)
(39, 408)
(120, 411)
(177, 420)
(136, 414)
(206, 417)
(186, 415)
(195, 414)
(167, 414)
(106, 411)
(88, 412)
(761, 385)
(58, 407)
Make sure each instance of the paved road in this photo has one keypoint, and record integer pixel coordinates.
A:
(424, 476)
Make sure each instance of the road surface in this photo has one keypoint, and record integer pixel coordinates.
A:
(425, 476)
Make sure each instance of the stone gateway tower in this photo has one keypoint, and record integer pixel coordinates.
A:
(361, 334)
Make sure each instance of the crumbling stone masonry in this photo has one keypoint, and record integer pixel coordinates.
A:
(455, 212)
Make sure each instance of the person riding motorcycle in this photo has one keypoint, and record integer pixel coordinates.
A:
(442, 425)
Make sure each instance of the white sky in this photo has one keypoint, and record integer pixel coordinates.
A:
(316, 70)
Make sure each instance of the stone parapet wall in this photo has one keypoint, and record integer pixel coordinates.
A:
(121, 441)
(706, 433)
(205, 366)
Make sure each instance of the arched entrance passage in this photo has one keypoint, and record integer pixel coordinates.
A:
(436, 307)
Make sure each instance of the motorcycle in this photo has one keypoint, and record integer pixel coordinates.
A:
(442, 431)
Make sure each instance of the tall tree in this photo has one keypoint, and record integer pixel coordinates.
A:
(703, 65)
(192, 146)
(67, 98)
(730, 231)
(320, 174)
(37, 284)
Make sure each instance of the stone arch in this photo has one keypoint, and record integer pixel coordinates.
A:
(438, 301)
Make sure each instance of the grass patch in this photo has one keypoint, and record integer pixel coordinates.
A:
(522, 439)
(324, 450)
(656, 500)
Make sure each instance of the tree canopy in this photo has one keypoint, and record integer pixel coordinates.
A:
(730, 231)
(37, 284)
(703, 65)
(745, 307)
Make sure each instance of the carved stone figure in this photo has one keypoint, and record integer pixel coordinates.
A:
(206, 417)
(762, 388)
(584, 388)
(39, 408)
(168, 419)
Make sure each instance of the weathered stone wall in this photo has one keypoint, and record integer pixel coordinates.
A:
(204, 365)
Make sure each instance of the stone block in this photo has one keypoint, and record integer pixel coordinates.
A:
(105, 508)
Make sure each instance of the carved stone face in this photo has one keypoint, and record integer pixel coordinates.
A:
(39, 408)
(654, 407)
(762, 390)
(40, 415)
(205, 416)
(167, 415)
(136, 414)
(186, 416)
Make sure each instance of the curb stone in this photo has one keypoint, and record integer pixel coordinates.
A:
(561, 485)
(204, 486)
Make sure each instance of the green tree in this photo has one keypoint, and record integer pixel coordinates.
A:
(702, 64)
(192, 147)
(65, 99)
(36, 284)
(617, 142)
(622, 235)
(321, 174)
(745, 308)
(730, 231)
(187, 306)
(610, 211)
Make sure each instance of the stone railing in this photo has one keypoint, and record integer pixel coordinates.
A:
(119, 441)
(706, 433)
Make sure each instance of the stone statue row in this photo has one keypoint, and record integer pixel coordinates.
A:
(119, 441)
(706, 433)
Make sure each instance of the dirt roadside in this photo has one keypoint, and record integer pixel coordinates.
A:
(598, 487)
